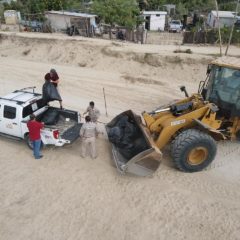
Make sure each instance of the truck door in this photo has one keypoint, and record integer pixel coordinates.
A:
(9, 121)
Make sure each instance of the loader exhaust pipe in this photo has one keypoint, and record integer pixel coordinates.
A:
(159, 111)
(183, 89)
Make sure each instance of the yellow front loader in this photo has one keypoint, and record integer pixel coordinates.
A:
(191, 126)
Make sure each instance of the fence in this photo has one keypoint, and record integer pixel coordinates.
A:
(211, 36)
(137, 35)
(83, 27)
(200, 37)
(164, 38)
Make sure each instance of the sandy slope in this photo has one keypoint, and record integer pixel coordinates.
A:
(66, 197)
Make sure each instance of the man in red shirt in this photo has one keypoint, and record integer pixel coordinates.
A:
(34, 128)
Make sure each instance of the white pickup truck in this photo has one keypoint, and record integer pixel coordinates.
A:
(175, 26)
(61, 126)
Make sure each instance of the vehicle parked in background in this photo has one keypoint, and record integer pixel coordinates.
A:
(175, 26)
(61, 126)
(237, 25)
(32, 26)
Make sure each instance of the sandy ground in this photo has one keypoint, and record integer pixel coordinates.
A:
(66, 197)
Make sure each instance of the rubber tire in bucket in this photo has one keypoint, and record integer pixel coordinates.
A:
(188, 140)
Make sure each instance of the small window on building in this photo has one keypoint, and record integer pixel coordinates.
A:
(157, 15)
(9, 112)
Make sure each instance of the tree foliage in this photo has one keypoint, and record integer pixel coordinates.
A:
(36, 6)
(121, 12)
(189, 5)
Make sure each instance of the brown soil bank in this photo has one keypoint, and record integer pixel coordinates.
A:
(99, 56)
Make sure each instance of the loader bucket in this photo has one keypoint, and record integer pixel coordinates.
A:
(133, 149)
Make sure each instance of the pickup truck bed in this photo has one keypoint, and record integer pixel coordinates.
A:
(65, 121)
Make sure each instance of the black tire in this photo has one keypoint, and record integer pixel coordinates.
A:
(71, 31)
(193, 150)
(29, 142)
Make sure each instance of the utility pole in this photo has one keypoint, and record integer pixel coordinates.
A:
(219, 28)
(233, 24)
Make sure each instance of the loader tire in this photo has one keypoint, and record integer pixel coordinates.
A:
(193, 150)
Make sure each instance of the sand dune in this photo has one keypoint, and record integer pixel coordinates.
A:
(66, 197)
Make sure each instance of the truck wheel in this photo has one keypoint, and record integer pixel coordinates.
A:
(193, 150)
(29, 142)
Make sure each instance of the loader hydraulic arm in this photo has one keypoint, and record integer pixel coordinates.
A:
(166, 124)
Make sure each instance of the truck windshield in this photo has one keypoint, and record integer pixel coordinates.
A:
(176, 22)
(33, 107)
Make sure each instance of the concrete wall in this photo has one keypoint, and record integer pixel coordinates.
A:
(58, 22)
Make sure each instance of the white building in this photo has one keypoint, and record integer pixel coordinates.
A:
(12, 17)
(226, 19)
(61, 20)
(155, 20)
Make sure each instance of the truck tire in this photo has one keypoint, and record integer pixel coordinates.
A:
(29, 142)
(193, 150)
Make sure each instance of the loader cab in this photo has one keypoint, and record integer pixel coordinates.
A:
(223, 89)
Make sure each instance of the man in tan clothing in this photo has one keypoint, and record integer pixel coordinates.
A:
(88, 134)
(93, 112)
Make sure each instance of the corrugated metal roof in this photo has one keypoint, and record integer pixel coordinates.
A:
(231, 62)
(223, 14)
(72, 14)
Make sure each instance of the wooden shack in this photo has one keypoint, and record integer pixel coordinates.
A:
(62, 20)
